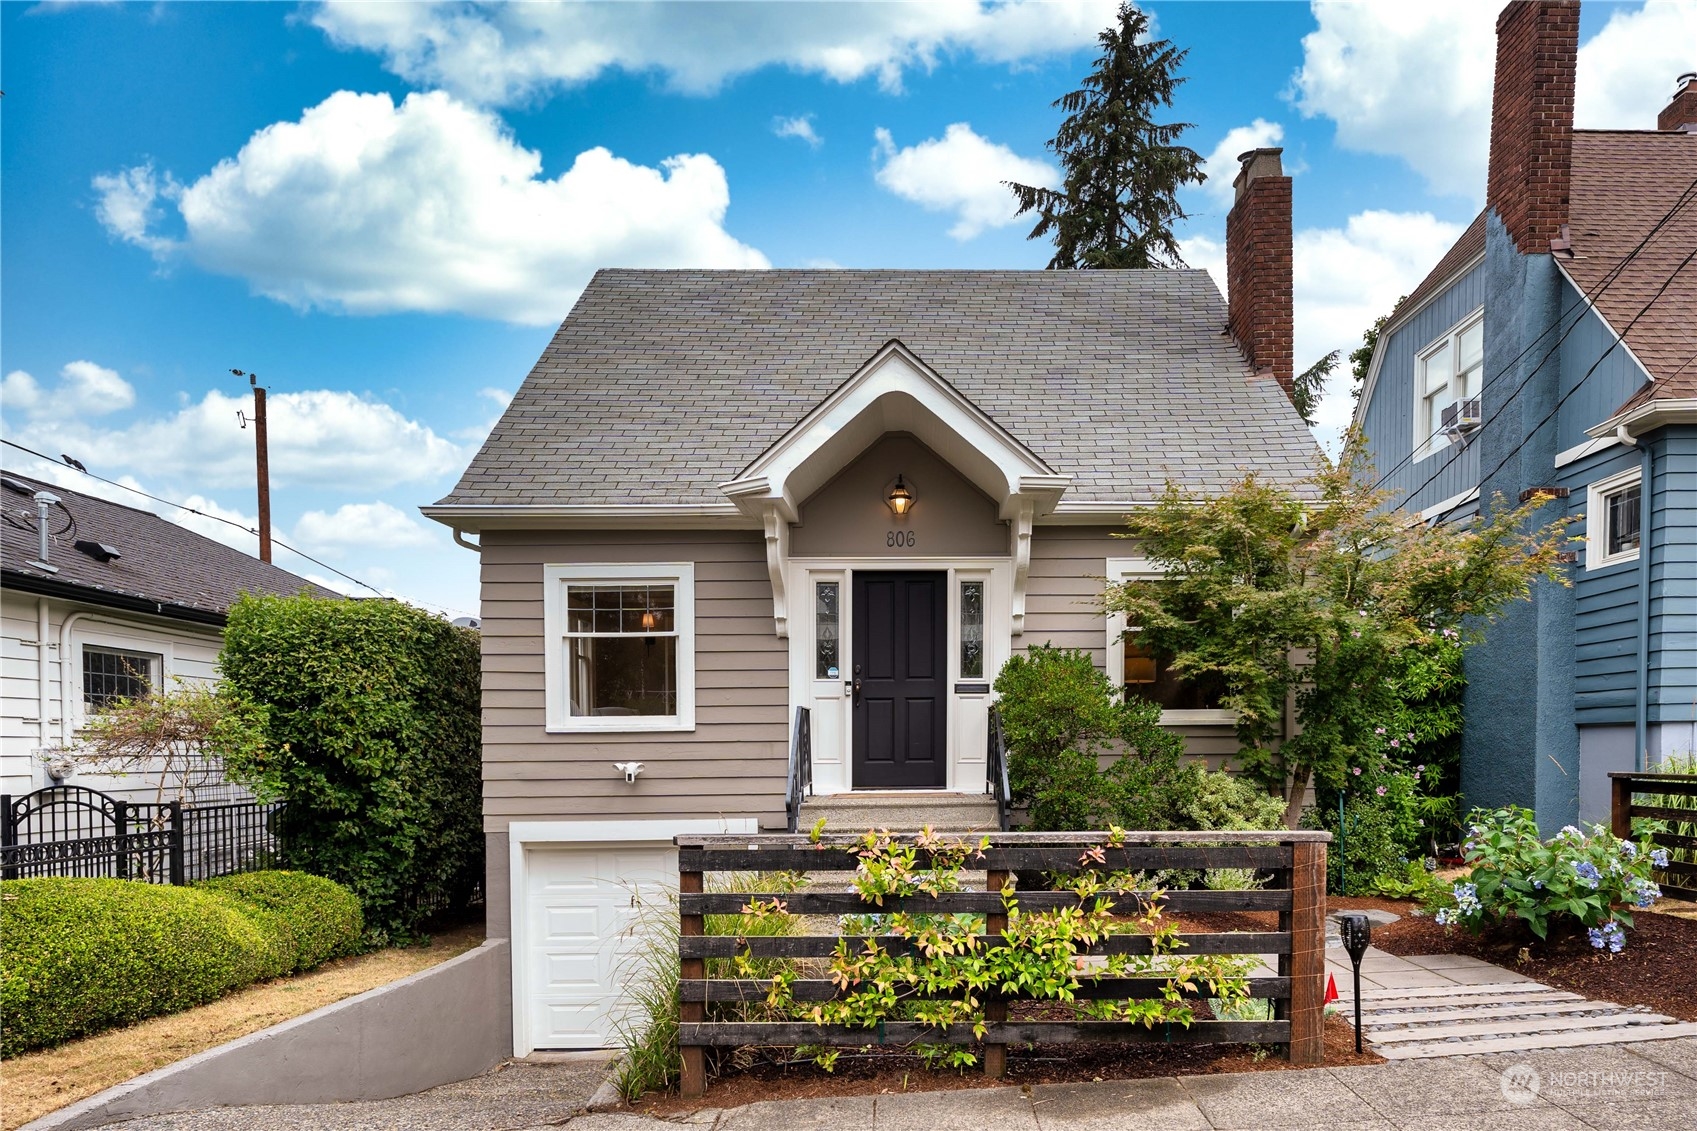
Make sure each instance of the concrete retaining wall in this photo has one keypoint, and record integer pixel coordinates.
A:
(447, 1023)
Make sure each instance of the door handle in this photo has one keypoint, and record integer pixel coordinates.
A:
(857, 685)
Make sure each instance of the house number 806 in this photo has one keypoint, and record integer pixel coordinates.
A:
(902, 539)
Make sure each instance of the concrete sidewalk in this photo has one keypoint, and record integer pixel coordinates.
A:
(1647, 1087)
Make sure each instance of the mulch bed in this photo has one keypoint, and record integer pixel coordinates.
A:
(889, 1071)
(1658, 968)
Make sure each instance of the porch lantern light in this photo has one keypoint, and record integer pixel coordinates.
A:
(901, 499)
(649, 620)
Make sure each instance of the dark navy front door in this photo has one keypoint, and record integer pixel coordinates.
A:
(900, 680)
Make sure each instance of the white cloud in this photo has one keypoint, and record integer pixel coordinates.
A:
(1414, 81)
(207, 525)
(1627, 69)
(367, 526)
(1406, 80)
(366, 207)
(499, 54)
(319, 437)
(83, 389)
(1222, 164)
(1206, 254)
(962, 173)
(800, 127)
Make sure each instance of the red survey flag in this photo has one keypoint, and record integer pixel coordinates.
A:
(1331, 990)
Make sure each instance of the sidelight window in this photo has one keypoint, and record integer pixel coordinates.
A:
(972, 630)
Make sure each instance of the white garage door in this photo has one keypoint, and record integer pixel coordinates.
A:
(581, 919)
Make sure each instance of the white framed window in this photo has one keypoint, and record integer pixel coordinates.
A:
(620, 646)
(1142, 674)
(113, 674)
(1448, 370)
(1613, 507)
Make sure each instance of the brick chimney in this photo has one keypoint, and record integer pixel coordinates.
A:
(1532, 119)
(1681, 113)
(1258, 266)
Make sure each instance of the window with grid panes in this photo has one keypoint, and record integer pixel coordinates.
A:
(112, 674)
(1448, 371)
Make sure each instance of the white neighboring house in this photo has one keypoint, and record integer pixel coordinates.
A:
(123, 602)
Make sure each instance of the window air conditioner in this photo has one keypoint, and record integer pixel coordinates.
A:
(1459, 418)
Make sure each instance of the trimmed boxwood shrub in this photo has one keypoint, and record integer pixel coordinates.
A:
(312, 918)
(81, 955)
(371, 721)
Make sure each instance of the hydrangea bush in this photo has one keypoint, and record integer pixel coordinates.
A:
(1596, 881)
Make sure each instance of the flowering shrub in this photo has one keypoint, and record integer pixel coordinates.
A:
(1593, 880)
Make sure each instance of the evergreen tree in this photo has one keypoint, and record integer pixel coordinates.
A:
(1117, 206)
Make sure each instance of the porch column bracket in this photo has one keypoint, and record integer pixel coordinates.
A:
(1020, 536)
(777, 565)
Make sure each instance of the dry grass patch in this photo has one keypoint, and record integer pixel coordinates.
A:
(39, 1082)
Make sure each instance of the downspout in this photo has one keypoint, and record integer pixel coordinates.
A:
(65, 677)
(42, 629)
(460, 538)
(1641, 738)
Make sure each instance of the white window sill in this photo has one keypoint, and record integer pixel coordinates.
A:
(1626, 558)
(1198, 718)
(623, 726)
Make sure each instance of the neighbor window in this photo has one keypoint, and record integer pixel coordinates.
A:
(113, 674)
(622, 647)
(1141, 673)
(1613, 509)
(1448, 370)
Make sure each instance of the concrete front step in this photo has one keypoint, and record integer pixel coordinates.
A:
(901, 811)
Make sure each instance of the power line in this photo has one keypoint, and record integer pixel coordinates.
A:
(1586, 298)
(1548, 416)
(216, 518)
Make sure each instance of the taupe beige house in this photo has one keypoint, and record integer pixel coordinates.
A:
(726, 504)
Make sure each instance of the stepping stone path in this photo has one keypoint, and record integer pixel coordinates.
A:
(1455, 1005)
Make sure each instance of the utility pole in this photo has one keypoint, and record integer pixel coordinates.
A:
(262, 459)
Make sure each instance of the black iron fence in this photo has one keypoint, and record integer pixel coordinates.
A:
(68, 830)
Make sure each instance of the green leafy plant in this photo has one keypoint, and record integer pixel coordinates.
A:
(1222, 800)
(647, 1031)
(1653, 827)
(371, 724)
(177, 735)
(1063, 721)
(78, 956)
(1313, 592)
(1571, 881)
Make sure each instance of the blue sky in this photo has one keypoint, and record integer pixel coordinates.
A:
(384, 210)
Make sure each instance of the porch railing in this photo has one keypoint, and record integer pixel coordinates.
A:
(996, 769)
(1677, 828)
(1296, 860)
(798, 782)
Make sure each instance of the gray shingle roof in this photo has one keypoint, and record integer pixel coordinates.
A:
(162, 564)
(662, 384)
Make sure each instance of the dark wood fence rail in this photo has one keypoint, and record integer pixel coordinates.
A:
(1681, 875)
(1297, 861)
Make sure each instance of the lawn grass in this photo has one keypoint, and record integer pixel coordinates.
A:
(49, 1079)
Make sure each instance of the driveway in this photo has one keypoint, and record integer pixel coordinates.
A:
(1650, 1086)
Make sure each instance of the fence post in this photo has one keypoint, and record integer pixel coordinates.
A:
(8, 834)
(176, 812)
(121, 826)
(1620, 805)
(1306, 966)
(694, 1082)
(995, 1010)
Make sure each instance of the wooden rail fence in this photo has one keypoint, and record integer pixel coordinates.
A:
(1297, 892)
(1625, 788)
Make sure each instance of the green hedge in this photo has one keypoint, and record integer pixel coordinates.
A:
(372, 733)
(81, 955)
(313, 919)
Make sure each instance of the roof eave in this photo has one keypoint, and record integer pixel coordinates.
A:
(474, 518)
(22, 582)
(1647, 417)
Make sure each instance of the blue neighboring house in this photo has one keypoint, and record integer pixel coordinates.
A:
(1554, 347)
